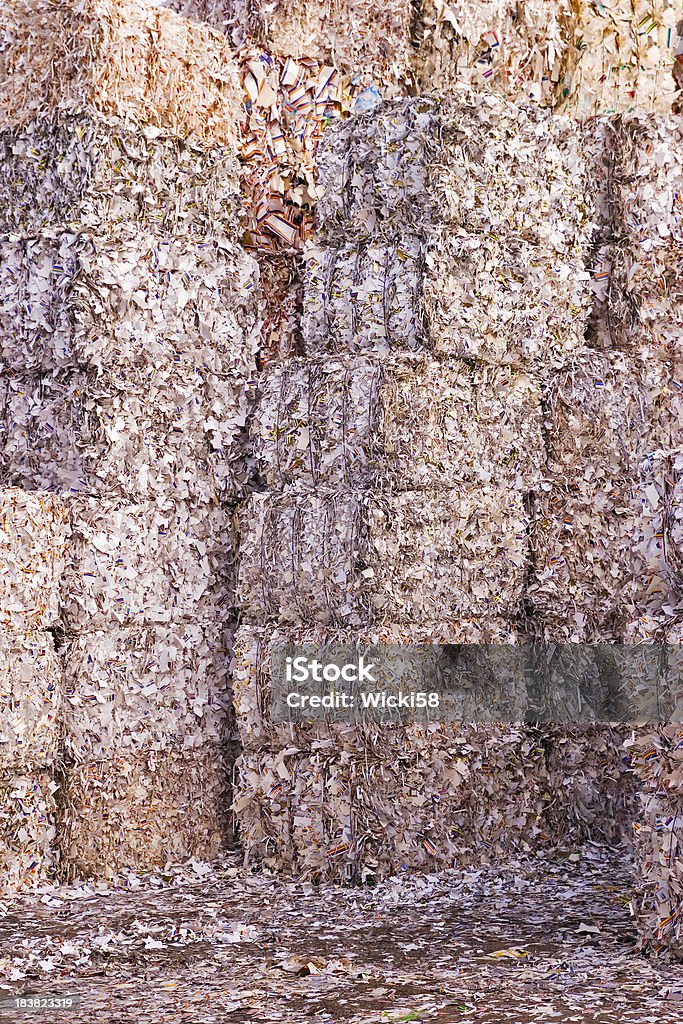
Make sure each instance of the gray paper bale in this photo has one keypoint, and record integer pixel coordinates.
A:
(231, 17)
(138, 565)
(28, 854)
(168, 433)
(126, 298)
(33, 538)
(81, 170)
(30, 699)
(401, 423)
(411, 557)
(131, 813)
(153, 688)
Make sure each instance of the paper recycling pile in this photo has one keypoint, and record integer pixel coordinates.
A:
(398, 476)
(33, 542)
(128, 331)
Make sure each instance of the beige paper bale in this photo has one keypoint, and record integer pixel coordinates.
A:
(169, 433)
(401, 423)
(79, 169)
(154, 688)
(493, 45)
(31, 690)
(134, 61)
(142, 811)
(28, 854)
(412, 557)
(369, 40)
(127, 297)
(619, 56)
(33, 538)
(656, 904)
(138, 565)
(451, 796)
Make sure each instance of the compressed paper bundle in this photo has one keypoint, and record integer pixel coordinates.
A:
(657, 753)
(31, 688)
(592, 792)
(139, 564)
(127, 297)
(369, 40)
(33, 538)
(493, 44)
(450, 796)
(168, 433)
(79, 169)
(280, 299)
(619, 56)
(132, 812)
(607, 412)
(363, 298)
(152, 688)
(657, 902)
(27, 829)
(504, 300)
(413, 557)
(404, 423)
(134, 61)
(476, 162)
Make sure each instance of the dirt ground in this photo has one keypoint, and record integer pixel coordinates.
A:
(550, 940)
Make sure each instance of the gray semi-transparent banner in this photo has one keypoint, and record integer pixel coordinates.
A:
(531, 682)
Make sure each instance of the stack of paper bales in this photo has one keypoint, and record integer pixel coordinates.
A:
(398, 461)
(128, 330)
(473, 247)
(33, 538)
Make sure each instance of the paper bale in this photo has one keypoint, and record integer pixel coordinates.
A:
(134, 61)
(33, 539)
(411, 557)
(169, 432)
(139, 565)
(80, 170)
(28, 854)
(31, 689)
(127, 297)
(141, 689)
(403, 423)
(131, 813)
(619, 56)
